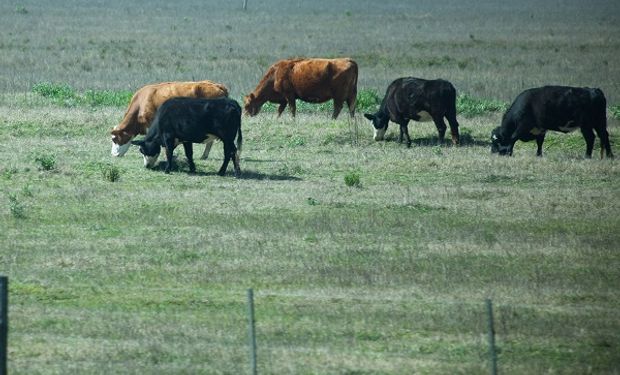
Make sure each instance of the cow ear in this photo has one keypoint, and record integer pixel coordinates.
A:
(138, 143)
(369, 116)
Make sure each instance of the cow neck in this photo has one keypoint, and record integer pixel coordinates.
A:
(383, 107)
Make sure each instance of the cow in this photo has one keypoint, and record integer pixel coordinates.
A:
(193, 120)
(558, 108)
(417, 99)
(310, 80)
(145, 102)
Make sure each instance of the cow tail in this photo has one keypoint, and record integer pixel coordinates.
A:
(239, 133)
(239, 140)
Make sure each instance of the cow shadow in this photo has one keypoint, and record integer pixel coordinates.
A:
(254, 175)
(466, 139)
(183, 168)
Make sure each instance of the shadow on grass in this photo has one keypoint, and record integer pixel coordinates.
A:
(465, 138)
(254, 175)
(182, 168)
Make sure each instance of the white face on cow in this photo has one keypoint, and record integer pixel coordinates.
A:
(149, 161)
(119, 150)
(380, 134)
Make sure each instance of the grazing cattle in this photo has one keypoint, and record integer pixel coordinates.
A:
(145, 102)
(311, 80)
(558, 108)
(193, 120)
(417, 99)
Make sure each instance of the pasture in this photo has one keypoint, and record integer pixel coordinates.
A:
(365, 257)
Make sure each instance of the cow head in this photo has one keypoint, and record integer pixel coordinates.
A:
(380, 123)
(120, 142)
(250, 105)
(150, 151)
(498, 144)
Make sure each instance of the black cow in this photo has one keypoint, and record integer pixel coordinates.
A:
(558, 108)
(417, 99)
(193, 120)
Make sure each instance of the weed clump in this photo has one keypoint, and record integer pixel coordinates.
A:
(16, 207)
(352, 179)
(46, 162)
(110, 173)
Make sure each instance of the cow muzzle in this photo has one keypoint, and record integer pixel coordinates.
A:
(119, 150)
(149, 161)
(379, 134)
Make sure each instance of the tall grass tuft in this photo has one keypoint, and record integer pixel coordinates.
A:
(615, 111)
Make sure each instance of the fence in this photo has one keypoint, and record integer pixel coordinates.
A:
(4, 323)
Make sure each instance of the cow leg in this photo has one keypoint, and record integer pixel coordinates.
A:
(441, 127)
(539, 142)
(454, 127)
(351, 100)
(588, 135)
(169, 151)
(605, 146)
(189, 154)
(404, 130)
(292, 105)
(400, 135)
(337, 108)
(207, 150)
(281, 108)
(229, 150)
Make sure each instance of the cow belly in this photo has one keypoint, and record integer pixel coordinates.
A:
(424, 116)
(569, 127)
(210, 138)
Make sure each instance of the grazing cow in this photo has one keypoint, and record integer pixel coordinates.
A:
(193, 120)
(145, 102)
(558, 108)
(311, 80)
(417, 99)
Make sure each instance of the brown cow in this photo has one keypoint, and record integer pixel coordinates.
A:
(311, 80)
(145, 102)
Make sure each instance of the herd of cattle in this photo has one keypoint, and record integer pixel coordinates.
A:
(200, 112)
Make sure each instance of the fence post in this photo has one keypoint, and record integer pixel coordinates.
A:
(252, 331)
(4, 323)
(245, 4)
(492, 354)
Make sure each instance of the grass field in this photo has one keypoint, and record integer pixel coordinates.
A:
(118, 269)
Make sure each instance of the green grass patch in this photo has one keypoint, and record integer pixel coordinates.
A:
(615, 111)
(469, 106)
(64, 95)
